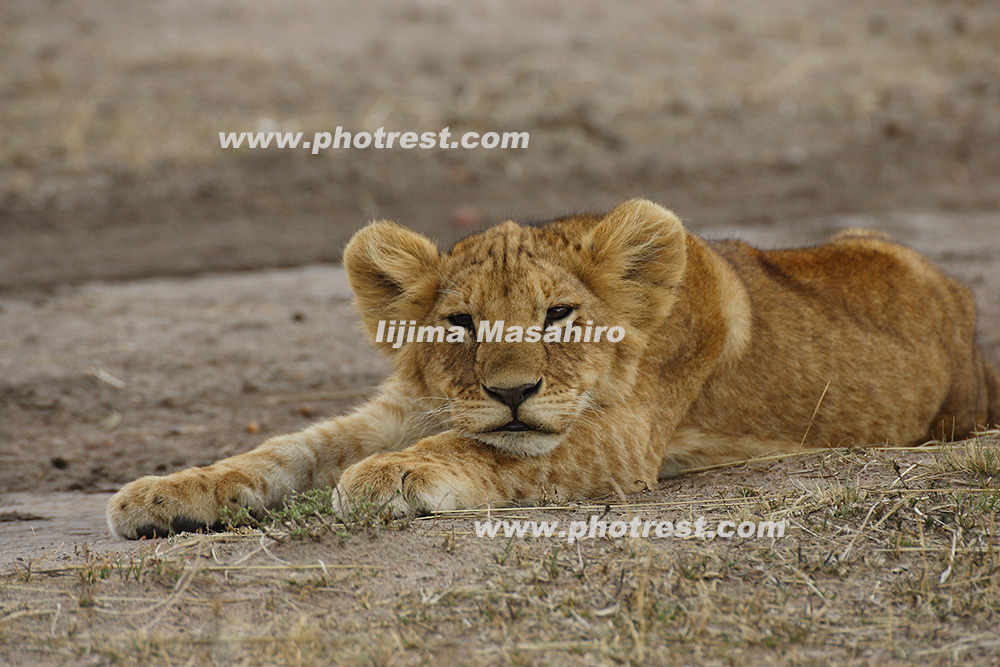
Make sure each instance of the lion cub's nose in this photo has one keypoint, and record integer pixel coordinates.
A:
(514, 396)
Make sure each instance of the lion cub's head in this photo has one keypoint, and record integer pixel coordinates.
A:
(622, 269)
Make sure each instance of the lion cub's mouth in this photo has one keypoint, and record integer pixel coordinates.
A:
(514, 426)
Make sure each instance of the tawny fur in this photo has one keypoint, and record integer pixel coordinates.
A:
(729, 352)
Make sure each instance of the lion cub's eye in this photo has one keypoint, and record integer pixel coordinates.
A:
(461, 320)
(556, 313)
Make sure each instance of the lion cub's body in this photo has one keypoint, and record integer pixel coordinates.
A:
(857, 341)
(729, 352)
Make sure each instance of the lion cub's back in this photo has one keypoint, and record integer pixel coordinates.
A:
(871, 326)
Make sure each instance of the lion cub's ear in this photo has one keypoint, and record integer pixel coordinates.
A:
(639, 241)
(392, 271)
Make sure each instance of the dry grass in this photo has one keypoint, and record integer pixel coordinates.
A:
(891, 556)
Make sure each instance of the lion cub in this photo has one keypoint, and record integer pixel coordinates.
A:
(722, 352)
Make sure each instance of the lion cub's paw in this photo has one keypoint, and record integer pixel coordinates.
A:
(403, 485)
(185, 501)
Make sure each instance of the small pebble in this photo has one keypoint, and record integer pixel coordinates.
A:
(466, 217)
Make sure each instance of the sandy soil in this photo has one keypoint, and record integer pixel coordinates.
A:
(164, 302)
(779, 110)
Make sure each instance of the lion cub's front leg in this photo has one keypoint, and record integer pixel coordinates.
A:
(262, 478)
(448, 471)
(442, 472)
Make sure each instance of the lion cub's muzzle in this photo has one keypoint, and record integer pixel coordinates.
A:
(513, 397)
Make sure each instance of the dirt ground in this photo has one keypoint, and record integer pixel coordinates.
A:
(165, 302)
(770, 112)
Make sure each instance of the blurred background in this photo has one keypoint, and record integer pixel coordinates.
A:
(775, 112)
